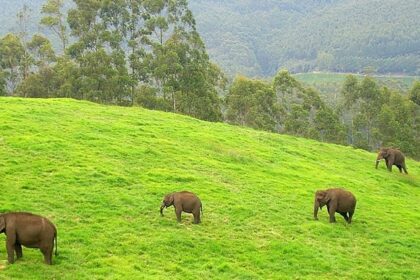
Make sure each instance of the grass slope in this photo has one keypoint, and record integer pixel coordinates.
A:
(99, 173)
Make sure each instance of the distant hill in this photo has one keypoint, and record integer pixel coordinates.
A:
(259, 37)
(256, 38)
(100, 173)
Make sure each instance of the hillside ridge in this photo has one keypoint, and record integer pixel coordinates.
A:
(100, 173)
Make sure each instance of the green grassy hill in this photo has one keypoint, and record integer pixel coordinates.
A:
(100, 172)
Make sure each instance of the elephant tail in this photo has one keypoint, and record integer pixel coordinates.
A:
(56, 243)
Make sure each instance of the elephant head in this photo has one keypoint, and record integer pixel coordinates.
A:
(321, 199)
(382, 154)
(167, 201)
(2, 224)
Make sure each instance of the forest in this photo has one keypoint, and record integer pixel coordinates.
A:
(257, 38)
(151, 54)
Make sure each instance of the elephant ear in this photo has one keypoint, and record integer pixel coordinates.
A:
(386, 153)
(327, 197)
(171, 199)
(320, 196)
(2, 224)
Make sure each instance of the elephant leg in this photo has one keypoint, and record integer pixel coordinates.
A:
(405, 169)
(390, 164)
(10, 247)
(178, 212)
(332, 209)
(47, 252)
(344, 214)
(399, 167)
(350, 216)
(196, 215)
(18, 249)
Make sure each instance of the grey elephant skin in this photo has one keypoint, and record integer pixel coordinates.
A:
(29, 230)
(392, 157)
(183, 201)
(337, 200)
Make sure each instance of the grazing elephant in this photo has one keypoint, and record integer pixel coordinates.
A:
(337, 200)
(183, 201)
(29, 230)
(392, 157)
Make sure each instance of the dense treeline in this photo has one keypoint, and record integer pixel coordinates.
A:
(123, 52)
(367, 116)
(256, 38)
(148, 53)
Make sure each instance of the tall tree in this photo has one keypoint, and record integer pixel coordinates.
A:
(252, 103)
(23, 17)
(41, 51)
(103, 72)
(414, 93)
(174, 61)
(12, 54)
(54, 19)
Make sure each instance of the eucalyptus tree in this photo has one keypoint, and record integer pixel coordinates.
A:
(54, 19)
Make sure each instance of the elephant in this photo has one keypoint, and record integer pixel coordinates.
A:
(29, 230)
(337, 200)
(183, 201)
(392, 157)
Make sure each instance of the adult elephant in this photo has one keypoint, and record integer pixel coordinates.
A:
(337, 200)
(392, 157)
(29, 230)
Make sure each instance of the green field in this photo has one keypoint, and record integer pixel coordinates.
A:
(333, 82)
(100, 172)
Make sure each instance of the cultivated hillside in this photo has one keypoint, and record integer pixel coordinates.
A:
(100, 172)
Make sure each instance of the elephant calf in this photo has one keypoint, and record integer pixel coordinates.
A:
(337, 200)
(392, 157)
(29, 230)
(183, 201)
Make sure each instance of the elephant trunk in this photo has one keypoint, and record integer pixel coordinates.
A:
(162, 206)
(316, 206)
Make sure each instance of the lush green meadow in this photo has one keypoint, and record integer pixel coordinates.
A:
(100, 172)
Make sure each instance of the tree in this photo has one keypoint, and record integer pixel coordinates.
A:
(252, 103)
(39, 83)
(350, 105)
(11, 56)
(54, 20)
(414, 93)
(3, 82)
(173, 60)
(103, 73)
(41, 51)
(26, 61)
(371, 103)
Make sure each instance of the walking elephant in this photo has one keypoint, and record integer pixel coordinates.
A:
(29, 230)
(392, 157)
(183, 201)
(337, 200)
